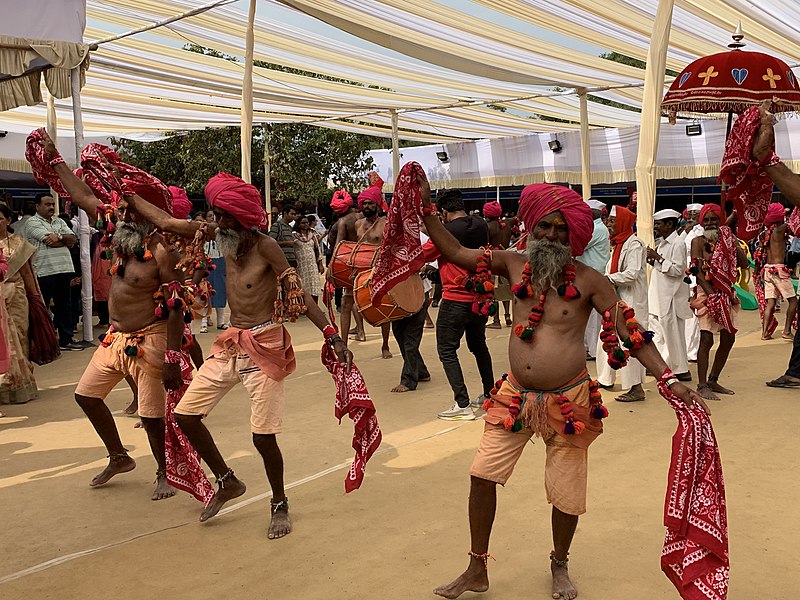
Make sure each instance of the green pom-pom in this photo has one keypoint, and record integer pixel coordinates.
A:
(628, 344)
(516, 426)
(561, 290)
(479, 289)
(619, 354)
(527, 334)
(493, 309)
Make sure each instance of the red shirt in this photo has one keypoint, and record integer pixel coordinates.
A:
(449, 274)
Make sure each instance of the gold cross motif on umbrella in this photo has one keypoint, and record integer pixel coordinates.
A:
(772, 78)
(708, 75)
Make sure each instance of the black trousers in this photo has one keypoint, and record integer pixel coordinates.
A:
(408, 333)
(56, 288)
(456, 319)
(794, 361)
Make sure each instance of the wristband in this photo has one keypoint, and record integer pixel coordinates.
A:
(334, 339)
(329, 331)
(172, 357)
(429, 211)
(771, 160)
(668, 378)
(58, 160)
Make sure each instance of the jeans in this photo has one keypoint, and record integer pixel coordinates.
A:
(56, 288)
(454, 320)
(408, 333)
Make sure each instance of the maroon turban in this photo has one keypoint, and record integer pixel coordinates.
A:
(341, 202)
(775, 214)
(492, 210)
(705, 210)
(238, 198)
(541, 199)
(372, 194)
(181, 205)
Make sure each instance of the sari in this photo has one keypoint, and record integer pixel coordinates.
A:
(18, 385)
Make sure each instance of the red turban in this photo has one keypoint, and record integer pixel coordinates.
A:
(705, 210)
(238, 198)
(341, 202)
(372, 194)
(541, 199)
(775, 214)
(492, 210)
(181, 205)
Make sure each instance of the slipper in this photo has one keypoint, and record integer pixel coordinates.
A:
(628, 398)
(782, 382)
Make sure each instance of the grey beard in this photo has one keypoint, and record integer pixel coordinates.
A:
(228, 241)
(711, 235)
(547, 260)
(129, 237)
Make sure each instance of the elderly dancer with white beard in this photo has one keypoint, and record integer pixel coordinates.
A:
(256, 350)
(626, 271)
(668, 294)
(692, 230)
(139, 342)
(547, 391)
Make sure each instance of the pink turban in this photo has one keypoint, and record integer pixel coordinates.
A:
(541, 199)
(492, 210)
(775, 214)
(236, 197)
(711, 207)
(341, 202)
(181, 205)
(372, 194)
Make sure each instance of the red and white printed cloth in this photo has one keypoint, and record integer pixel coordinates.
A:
(695, 554)
(724, 273)
(400, 255)
(750, 186)
(183, 464)
(352, 398)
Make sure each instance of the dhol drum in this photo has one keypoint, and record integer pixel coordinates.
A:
(403, 300)
(349, 259)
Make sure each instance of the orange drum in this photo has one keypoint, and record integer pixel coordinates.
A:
(349, 259)
(403, 300)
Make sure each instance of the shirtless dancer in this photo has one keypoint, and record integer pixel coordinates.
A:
(254, 350)
(777, 278)
(342, 205)
(500, 231)
(553, 363)
(132, 312)
(368, 230)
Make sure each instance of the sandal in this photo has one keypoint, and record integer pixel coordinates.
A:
(627, 397)
(783, 382)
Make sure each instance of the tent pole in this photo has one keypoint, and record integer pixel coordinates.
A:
(52, 128)
(395, 149)
(651, 121)
(267, 175)
(586, 155)
(247, 96)
(83, 218)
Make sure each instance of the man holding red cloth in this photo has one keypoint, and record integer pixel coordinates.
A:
(547, 391)
(714, 260)
(773, 278)
(256, 350)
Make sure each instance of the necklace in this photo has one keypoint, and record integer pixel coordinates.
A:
(524, 289)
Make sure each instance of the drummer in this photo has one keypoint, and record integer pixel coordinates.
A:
(347, 214)
(367, 231)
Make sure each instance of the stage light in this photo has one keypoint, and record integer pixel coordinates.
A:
(694, 129)
(555, 146)
(442, 156)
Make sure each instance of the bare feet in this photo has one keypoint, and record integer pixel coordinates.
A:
(398, 389)
(787, 336)
(716, 387)
(385, 352)
(117, 463)
(229, 488)
(361, 337)
(280, 524)
(423, 379)
(474, 579)
(163, 488)
(131, 409)
(764, 338)
(705, 392)
(562, 584)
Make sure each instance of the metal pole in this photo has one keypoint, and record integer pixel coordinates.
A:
(395, 148)
(52, 128)
(586, 155)
(247, 97)
(83, 218)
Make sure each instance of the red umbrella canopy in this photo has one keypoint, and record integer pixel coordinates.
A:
(732, 82)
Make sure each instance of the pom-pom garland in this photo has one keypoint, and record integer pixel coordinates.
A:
(618, 355)
(524, 289)
(290, 303)
(480, 283)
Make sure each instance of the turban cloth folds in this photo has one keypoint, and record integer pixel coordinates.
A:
(181, 205)
(775, 214)
(541, 199)
(238, 198)
(371, 194)
(709, 208)
(341, 202)
(492, 210)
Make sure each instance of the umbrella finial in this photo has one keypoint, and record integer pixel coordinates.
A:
(737, 36)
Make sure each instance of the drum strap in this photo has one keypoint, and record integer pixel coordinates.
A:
(363, 235)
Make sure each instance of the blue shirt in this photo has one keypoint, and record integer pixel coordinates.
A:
(598, 251)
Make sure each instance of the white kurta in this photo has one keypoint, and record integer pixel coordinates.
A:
(596, 256)
(631, 284)
(668, 299)
(692, 331)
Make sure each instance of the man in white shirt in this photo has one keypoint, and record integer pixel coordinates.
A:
(596, 256)
(668, 294)
(692, 332)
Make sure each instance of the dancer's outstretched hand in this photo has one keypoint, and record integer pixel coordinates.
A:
(688, 396)
(343, 354)
(765, 136)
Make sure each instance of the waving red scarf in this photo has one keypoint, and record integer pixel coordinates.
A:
(400, 255)
(352, 398)
(695, 554)
(724, 273)
(625, 219)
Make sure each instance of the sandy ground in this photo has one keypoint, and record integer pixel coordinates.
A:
(405, 531)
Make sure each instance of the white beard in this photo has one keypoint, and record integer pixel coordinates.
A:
(711, 235)
(228, 241)
(129, 237)
(547, 260)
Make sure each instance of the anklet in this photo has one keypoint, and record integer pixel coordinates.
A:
(276, 506)
(484, 557)
(118, 455)
(559, 563)
(225, 477)
(160, 474)
(713, 378)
